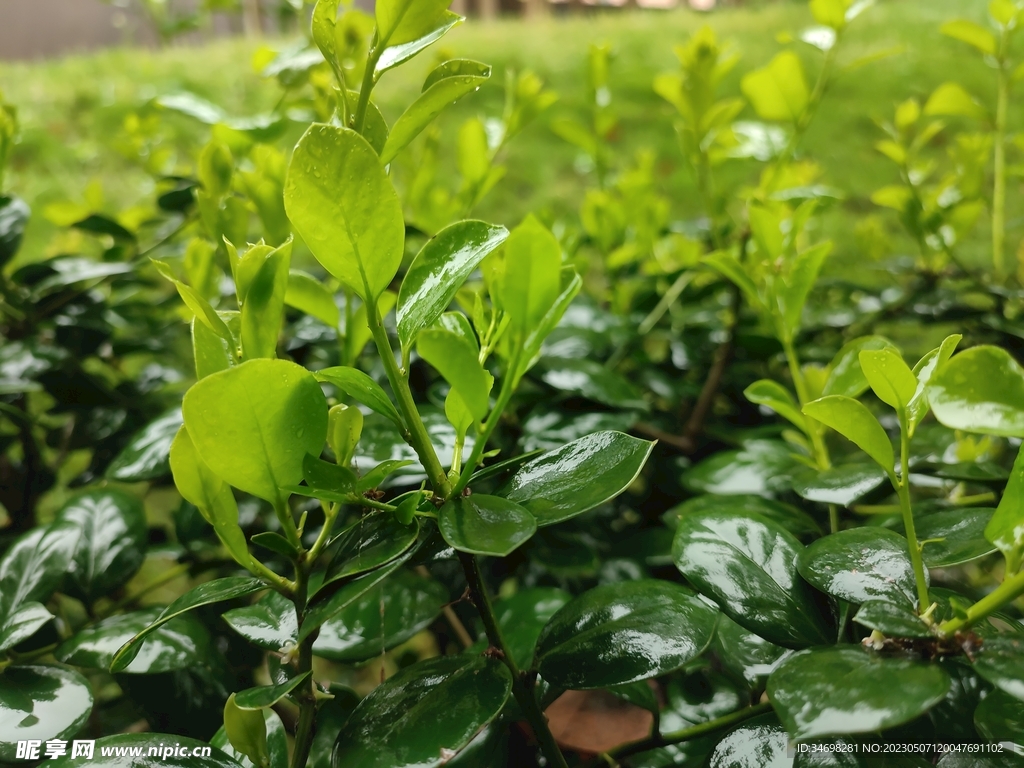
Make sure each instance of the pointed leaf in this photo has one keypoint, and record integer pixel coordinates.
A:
(954, 536)
(361, 388)
(854, 421)
(1001, 662)
(951, 99)
(779, 90)
(924, 370)
(439, 270)
(216, 591)
(268, 695)
(332, 599)
(798, 284)
(892, 619)
(972, 34)
(369, 543)
(254, 424)
(146, 457)
(269, 623)
(25, 621)
(533, 265)
(398, 53)
(773, 395)
(263, 309)
(845, 376)
(889, 376)
(458, 362)
(1006, 528)
(34, 566)
(578, 477)
(309, 295)
(344, 207)
(444, 86)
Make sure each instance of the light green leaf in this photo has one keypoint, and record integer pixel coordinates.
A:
(980, 390)
(211, 352)
(773, 395)
(798, 284)
(779, 90)
(445, 85)
(263, 309)
(831, 13)
(533, 266)
(401, 21)
(309, 295)
(972, 34)
(200, 307)
(925, 368)
(324, 22)
(362, 388)
(253, 424)
(396, 53)
(951, 99)
(845, 376)
(732, 270)
(571, 284)
(198, 485)
(854, 421)
(889, 376)
(343, 205)
(265, 696)
(1006, 528)
(247, 732)
(457, 362)
(439, 270)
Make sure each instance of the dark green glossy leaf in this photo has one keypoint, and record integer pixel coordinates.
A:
(757, 743)
(861, 564)
(113, 543)
(954, 536)
(743, 654)
(803, 687)
(325, 480)
(591, 380)
(268, 695)
(619, 633)
(14, 213)
(794, 520)
(761, 466)
(388, 615)
(147, 455)
(892, 619)
(578, 477)
(275, 542)
(522, 616)
(25, 621)
(41, 702)
(1001, 662)
(842, 484)
(343, 206)
(254, 424)
(1000, 717)
(485, 525)
(423, 713)
(330, 718)
(748, 565)
(332, 599)
(370, 542)
(142, 742)
(439, 270)
(178, 644)
(980, 390)
(34, 567)
(269, 623)
(380, 473)
(361, 387)
(215, 591)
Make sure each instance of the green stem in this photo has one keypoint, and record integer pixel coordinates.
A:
(306, 726)
(417, 432)
(688, 734)
(903, 491)
(814, 430)
(284, 515)
(330, 515)
(521, 688)
(366, 88)
(1009, 590)
(999, 186)
(508, 386)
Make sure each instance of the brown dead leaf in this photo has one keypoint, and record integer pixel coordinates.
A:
(596, 721)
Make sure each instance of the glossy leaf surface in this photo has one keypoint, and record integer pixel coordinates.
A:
(424, 712)
(1006, 528)
(760, 467)
(370, 542)
(268, 623)
(147, 455)
(485, 525)
(841, 484)
(954, 536)
(578, 477)
(361, 387)
(41, 702)
(1001, 662)
(268, 695)
(343, 205)
(142, 742)
(748, 565)
(980, 390)
(794, 520)
(439, 270)
(861, 564)
(802, 690)
(524, 615)
(619, 633)
(892, 619)
(254, 424)
(854, 421)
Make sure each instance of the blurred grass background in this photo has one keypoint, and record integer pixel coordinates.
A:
(72, 110)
